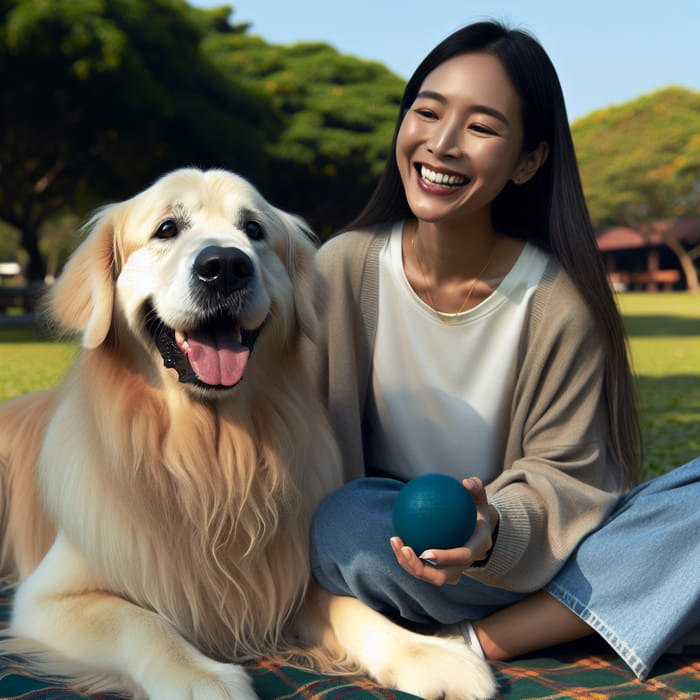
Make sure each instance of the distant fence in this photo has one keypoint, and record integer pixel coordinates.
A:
(23, 297)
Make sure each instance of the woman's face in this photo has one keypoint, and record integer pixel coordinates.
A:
(461, 139)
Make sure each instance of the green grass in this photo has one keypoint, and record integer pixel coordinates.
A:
(30, 361)
(664, 332)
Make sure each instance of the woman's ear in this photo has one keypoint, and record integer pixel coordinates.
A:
(530, 163)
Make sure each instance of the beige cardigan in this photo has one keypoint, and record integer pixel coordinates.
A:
(558, 481)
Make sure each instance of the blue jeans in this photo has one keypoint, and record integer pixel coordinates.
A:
(636, 580)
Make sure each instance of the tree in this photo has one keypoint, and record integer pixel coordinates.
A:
(640, 165)
(101, 96)
(338, 113)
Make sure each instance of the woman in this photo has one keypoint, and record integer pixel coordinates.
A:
(472, 331)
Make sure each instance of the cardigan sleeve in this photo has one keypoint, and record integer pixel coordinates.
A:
(559, 481)
(348, 265)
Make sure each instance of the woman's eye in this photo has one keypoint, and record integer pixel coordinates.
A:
(168, 229)
(481, 129)
(426, 113)
(254, 230)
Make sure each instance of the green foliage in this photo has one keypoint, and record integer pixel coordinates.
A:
(338, 114)
(101, 96)
(640, 161)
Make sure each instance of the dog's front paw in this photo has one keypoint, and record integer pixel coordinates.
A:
(434, 668)
(217, 681)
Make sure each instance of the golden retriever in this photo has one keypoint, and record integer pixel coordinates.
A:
(156, 505)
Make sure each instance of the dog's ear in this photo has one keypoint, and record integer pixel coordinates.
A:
(301, 249)
(82, 297)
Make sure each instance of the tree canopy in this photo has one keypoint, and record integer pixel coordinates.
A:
(640, 161)
(101, 96)
(640, 165)
(337, 111)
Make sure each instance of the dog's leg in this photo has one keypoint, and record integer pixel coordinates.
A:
(62, 607)
(430, 667)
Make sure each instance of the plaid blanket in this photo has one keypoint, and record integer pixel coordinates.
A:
(578, 671)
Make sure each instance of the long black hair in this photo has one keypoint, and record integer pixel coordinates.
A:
(549, 210)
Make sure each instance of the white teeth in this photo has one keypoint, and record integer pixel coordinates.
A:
(441, 178)
(181, 338)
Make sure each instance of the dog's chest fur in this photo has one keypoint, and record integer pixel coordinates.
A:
(193, 528)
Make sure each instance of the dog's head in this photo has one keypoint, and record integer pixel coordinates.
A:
(196, 267)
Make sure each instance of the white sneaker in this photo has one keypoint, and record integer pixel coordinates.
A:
(469, 634)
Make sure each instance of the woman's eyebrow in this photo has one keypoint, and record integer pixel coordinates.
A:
(484, 109)
(430, 95)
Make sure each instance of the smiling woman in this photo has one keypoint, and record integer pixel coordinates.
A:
(487, 344)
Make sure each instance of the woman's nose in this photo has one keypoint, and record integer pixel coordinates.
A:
(445, 140)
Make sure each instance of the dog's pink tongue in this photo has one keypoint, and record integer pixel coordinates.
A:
(217, 358)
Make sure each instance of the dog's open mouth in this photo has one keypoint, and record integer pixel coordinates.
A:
(213, 355)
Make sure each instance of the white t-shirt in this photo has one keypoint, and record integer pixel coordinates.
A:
(440, 393)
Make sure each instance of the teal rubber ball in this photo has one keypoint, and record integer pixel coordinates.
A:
(433, 511)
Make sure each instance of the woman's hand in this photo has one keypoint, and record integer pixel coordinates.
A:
(441, 566)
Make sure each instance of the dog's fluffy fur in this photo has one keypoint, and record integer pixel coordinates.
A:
(156, 505)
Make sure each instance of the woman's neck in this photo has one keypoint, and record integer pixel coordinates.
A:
(453, 269)
(449, 252)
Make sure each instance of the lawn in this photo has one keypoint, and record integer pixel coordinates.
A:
(664, 332)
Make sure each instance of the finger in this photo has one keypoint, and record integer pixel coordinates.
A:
(406, 557)
(447, 565)
(412, 564)
(458, 559)
(487, 518)
(475, 486)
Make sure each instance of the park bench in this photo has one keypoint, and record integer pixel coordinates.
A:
(22, 297)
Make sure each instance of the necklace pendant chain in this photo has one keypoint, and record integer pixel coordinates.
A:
(447, 318)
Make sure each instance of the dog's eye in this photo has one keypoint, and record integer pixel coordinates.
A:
(254, 230)
(168, 229)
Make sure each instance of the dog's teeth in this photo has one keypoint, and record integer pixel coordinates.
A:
(181, 339)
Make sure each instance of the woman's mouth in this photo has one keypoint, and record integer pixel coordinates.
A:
(437, 179)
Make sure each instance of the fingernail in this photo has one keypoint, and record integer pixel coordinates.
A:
(428, 556)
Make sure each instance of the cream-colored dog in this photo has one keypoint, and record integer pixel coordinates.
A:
(156, 505)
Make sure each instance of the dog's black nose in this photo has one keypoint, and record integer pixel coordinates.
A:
(223, 269)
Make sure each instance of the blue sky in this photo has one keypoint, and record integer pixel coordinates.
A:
(605, 52)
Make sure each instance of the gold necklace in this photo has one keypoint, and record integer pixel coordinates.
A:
(443, 316)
